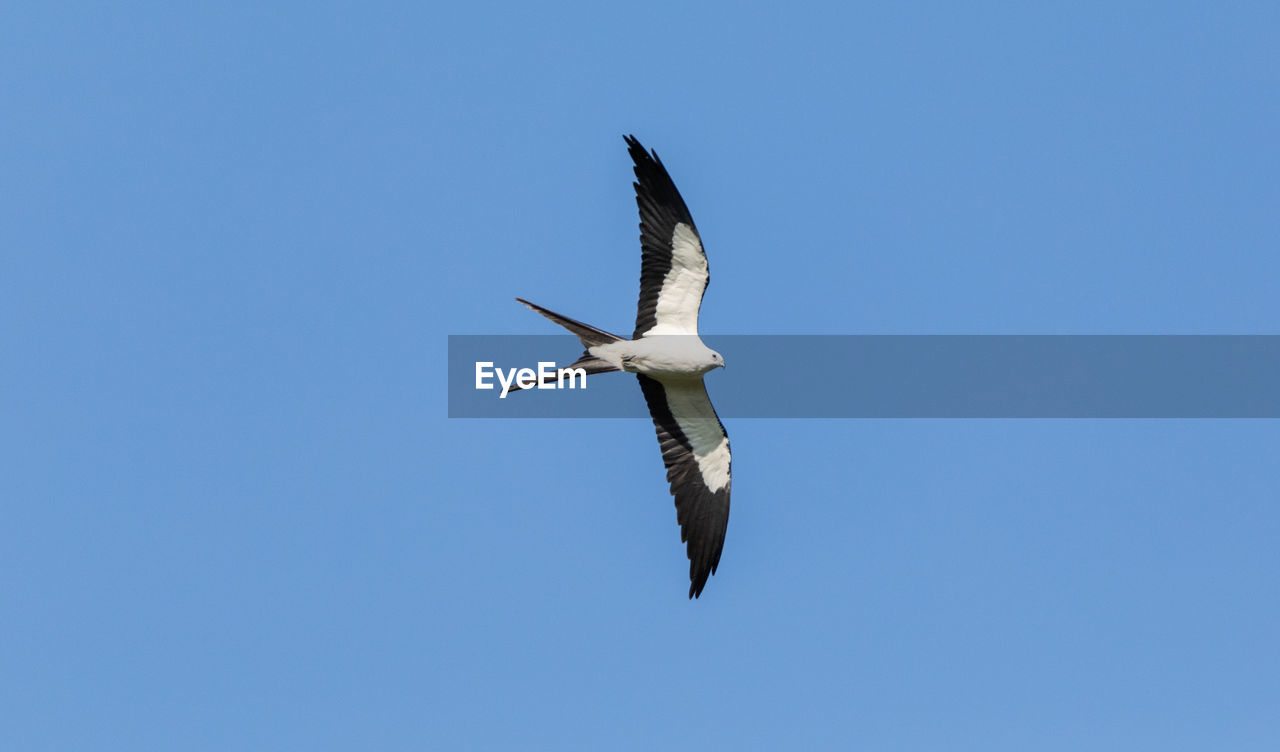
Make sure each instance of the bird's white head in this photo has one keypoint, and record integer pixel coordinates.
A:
(716, 360)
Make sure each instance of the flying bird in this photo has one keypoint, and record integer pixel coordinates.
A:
(669, 359)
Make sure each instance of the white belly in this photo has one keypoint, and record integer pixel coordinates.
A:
(671, 356)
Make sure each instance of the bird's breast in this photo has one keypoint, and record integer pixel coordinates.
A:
(669, 356)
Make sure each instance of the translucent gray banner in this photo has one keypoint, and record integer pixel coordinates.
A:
(924, 376)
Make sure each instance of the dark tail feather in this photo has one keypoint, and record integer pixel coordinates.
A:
(589, 363)
(589, 335)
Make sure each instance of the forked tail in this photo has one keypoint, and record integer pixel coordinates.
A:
(588, 335)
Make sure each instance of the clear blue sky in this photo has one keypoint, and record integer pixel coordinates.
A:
(233, 514)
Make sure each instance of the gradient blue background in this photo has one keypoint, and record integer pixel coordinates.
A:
(233, 514)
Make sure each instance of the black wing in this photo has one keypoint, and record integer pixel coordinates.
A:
(673, 267)
(695, 449)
